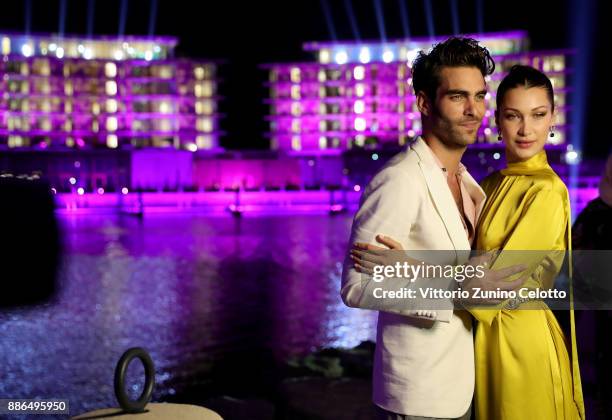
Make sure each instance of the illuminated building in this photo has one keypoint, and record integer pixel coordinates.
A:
(359, 94)
(104, 92)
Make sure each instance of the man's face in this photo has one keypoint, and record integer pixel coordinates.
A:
(459, 107)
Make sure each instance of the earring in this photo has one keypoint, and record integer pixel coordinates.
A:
(552, 133)
(499, 137)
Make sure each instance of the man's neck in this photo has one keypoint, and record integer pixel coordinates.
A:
(448, 156)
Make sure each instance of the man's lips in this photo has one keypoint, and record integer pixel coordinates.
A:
(470, 124)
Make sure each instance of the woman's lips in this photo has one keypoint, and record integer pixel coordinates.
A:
(525, 144)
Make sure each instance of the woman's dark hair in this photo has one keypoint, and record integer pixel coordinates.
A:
(454, 52)
(527, 77)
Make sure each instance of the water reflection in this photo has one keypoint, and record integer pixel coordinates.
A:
(218, 302)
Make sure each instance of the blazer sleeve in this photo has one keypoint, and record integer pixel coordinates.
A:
(389, 206)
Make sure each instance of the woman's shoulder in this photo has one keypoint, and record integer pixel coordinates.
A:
(548, 181)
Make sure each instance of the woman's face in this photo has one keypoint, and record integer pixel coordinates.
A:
(524, 120)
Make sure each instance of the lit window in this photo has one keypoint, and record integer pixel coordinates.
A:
(360, 124)
(322, 142)
(26, 50)
(112, 141)
(110, 69)
(164, 108)
(149, 57)
(364, 55)
(6, 45)
(204, 107)
(111, 105)
(203, 89)
(359, 73)
(411, 55)
(296, 143)
(296, 108)
(388, 56)
(111, 124)
(111, 87)
(295, 74)
(59, 52)
(199, 73)
(324, 56)
(192, 147)
(359, 107)
(359, 89)
(295, 125)
(341, 57)
(95, 108)
(118, 55)
(204, 124)
(295, 92)
(165, 125)
(204, 142)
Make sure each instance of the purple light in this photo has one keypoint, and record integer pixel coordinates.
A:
(100, 190)
(80, 191)
(124, 191)
(72, 180)
(357, 188)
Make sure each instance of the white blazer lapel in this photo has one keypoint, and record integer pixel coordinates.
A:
(441, 196)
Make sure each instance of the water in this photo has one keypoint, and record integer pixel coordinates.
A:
(218, 302)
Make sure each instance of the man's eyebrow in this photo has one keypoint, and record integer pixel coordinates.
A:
(456, 92)
(464, 92)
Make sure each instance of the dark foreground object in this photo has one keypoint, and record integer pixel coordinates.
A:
(30, 247)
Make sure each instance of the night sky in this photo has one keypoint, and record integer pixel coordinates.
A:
(245, 34)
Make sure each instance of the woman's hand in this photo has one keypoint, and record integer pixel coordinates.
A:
(366, 256)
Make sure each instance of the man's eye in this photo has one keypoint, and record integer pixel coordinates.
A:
(481, 97)
(456, 97)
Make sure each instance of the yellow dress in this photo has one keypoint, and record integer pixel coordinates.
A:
(523, 370)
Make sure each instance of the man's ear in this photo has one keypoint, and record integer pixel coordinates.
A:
(423, 104)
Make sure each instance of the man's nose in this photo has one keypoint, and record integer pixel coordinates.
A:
(470, 107)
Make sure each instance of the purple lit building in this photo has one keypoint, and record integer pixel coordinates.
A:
(359, 94)
(101, 115)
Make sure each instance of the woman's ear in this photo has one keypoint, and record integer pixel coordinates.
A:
(423, 104)
(497, 118)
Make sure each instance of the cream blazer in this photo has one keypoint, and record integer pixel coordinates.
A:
(421, 367)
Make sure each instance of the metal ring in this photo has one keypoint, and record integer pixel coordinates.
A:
(134, 406)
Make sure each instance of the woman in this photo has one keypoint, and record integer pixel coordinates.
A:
(523, 367)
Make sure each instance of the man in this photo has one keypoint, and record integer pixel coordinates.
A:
(426, 200)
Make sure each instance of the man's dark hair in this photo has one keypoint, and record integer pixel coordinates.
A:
(454, 52)
(528, 77)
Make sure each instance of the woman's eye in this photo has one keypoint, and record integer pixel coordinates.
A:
(510, 116)
(540, 115)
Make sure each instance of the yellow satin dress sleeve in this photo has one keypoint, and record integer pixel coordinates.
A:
(523, 367)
